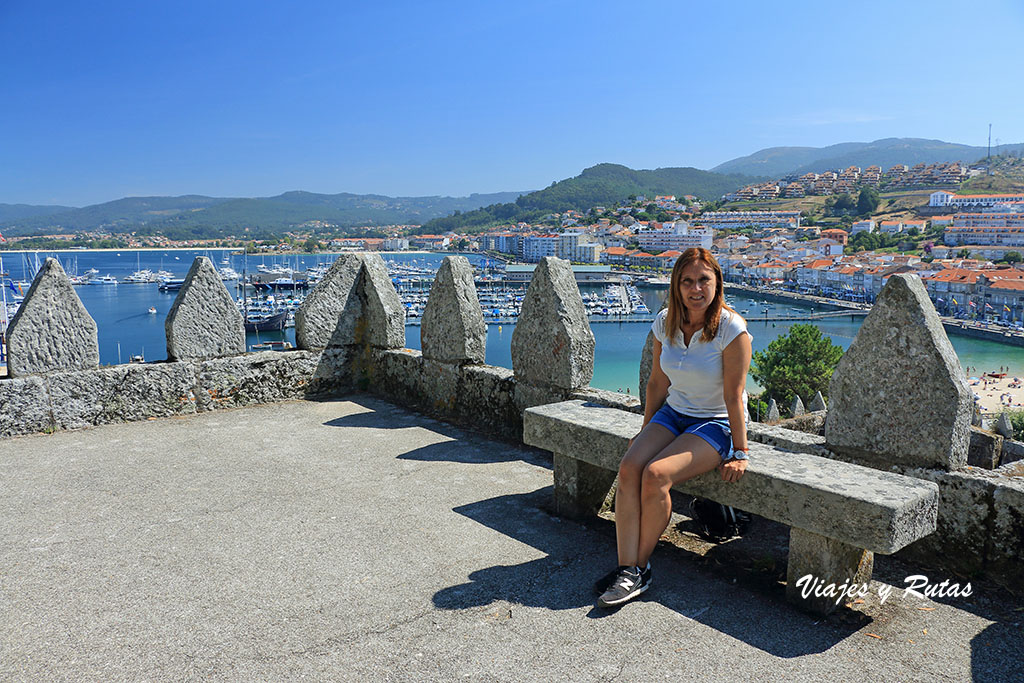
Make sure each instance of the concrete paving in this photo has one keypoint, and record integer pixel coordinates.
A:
(353, 540)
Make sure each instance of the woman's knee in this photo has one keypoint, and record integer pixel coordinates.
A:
(631, 470)
(656, 480)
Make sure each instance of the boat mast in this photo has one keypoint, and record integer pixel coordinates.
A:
(245, 301)
(3, 333)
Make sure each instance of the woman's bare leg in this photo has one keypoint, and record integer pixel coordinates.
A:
(646, 446)
(685, 458)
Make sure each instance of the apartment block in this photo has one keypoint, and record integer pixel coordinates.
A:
(678, 236)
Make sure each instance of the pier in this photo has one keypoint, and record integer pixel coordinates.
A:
(810, 315)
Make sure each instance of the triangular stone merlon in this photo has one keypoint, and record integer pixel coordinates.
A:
(552, 344)
(453, 328)
(899, 394)
(204, 321)
(383, 317)
(52, 330)
(320, 320)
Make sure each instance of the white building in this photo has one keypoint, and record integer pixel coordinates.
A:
(943, 198)
(395, 244)
(678, 236)
(829, 247)
(589, 252)
(862, 226)
(536, 247)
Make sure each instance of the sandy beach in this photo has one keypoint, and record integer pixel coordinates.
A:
(997, 394)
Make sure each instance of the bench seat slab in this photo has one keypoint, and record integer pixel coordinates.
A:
(859, 506)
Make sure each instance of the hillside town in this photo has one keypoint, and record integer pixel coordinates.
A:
(970, 266)
(849, 179)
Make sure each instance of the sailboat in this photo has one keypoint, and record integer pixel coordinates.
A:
(140, 275)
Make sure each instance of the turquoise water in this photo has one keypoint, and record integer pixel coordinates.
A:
(125, 327)
(618, 345)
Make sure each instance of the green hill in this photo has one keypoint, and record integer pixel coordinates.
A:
(195, 216)
(13, 212)
(779, 161)
(601, 185)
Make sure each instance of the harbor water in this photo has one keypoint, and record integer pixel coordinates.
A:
(127, 328)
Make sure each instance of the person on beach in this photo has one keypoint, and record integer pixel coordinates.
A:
(701, 357)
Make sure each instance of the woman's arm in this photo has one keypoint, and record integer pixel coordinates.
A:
(657, 386)
(735, 364)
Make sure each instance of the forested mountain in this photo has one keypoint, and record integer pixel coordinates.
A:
(195, 216)
(604, 184)
(13, 212)
(775, 162)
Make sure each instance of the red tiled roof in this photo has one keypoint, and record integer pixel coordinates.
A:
(955, 275)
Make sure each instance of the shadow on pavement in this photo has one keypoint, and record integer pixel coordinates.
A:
(996, 651)
(466, 452)
(463, 446)
(575, 556)
(380, 415)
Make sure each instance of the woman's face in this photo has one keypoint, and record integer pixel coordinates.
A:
(697, 287)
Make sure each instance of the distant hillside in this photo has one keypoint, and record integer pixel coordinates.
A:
(13, 212)
(1007, 175)
(779, 161)
(195, 216)
(604, 184)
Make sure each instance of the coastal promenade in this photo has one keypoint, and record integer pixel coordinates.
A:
(354, 540)
(967, 328)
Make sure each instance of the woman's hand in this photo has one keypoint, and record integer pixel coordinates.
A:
(732, 470)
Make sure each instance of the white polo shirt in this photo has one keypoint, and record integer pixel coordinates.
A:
(696, 385)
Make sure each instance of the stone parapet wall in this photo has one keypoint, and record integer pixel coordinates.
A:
(482, 397)
(124, 393)
(55, 381)
(981, 512)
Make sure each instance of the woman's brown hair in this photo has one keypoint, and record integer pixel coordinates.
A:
(677, 313)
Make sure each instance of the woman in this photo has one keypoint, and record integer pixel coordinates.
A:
(701, 358)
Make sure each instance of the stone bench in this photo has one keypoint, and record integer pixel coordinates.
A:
(839, 514)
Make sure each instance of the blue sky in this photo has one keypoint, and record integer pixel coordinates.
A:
(112, 99)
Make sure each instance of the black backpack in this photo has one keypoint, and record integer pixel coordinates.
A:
(717, 522)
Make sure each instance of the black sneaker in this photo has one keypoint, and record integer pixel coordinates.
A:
(629, 583)
(606, 581)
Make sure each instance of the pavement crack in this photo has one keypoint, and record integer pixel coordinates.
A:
(325, 647)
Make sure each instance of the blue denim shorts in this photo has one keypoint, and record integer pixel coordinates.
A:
(714, 430)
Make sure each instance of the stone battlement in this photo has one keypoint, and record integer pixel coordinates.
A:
(899, 400)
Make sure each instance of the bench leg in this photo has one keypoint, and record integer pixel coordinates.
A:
(825, 561)
(580, 488)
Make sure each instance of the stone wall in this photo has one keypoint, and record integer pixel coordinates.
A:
(55, 381)
(552, 346)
